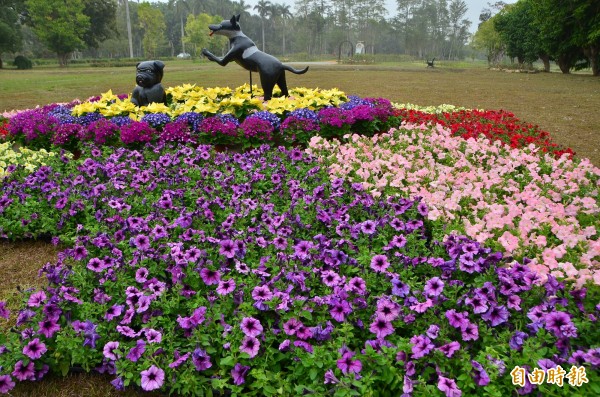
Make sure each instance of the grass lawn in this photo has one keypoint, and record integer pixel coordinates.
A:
(564, 105)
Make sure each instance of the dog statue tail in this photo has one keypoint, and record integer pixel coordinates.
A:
(295, 71)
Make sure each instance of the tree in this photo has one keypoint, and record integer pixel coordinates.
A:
(10, 29)
(515, 24)
(152, 21)
(196, 32)
(559, 31)
(283, 13)
(487, 39)
(264, 9)
(459, 26)
(103, 18)
(60, 24)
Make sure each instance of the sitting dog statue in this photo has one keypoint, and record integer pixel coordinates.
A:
(244, 52)
(148, 89)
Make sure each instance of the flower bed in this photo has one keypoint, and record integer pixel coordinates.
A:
(254, 273)
(338, 270)
(513, 200)
(492, 124)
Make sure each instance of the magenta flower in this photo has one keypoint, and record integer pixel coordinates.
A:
(555, 321)
(48, 327)
(238, 373)
(6, 384)
(153, 336)
(152, 378)
(262, 293)
(209, 276)
(251, 326)
(227, 248)
(450, 348)
(35, 349)
(4, 312)
(302, 249)
(226, 287)
(387, 309)
(250, 345)
(330, 377)
(421, 346)
(433, 287)
(110, 352)
(36, 299)
(496, 315)
(24, 372)
(291, 326)
(201, 360)
(179, 359)
(136, 352)
(347, 365)
(379, 263)
(381, 327)
(448, 386)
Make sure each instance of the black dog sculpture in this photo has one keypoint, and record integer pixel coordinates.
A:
(148, 89)
(244, 52)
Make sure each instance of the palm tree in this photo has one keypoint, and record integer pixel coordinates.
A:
(282, 11)
(264, 9)
(241, 7)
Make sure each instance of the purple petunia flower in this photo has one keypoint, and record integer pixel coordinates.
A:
(227, 248)
(109, 350)
(421, 346)
(152, 378)
(48, 327)
(209, 276)
(480, 375)
(381, 327)
(517, 340)
(225, 287)
(238, 373)
(36, 299)
(35, 349)
(6, 384)
(330, 378)
(450, 348)
(555, 321)
(24, 372)
(201, 360)
(470, 332)
(449, 387)
(262, 293)
(457, 320)
(387, 309)
(347, 365)
(136, 352)
(4, 312)
(179, 359)
(433, 287)
(250, 345)
(302, 249)
(379, 263)
(251, 326)
(496, 315)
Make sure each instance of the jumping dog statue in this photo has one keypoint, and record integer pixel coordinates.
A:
(245, 53)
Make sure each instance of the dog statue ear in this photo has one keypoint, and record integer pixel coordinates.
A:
(159, 65)
(234, 21)
(237, 17)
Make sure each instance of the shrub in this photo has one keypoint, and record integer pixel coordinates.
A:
(22, 62)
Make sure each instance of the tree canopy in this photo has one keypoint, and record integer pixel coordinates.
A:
(59, 24)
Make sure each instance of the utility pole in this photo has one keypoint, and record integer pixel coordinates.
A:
(128, 28)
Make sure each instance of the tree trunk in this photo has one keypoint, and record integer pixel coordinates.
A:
(1, 65)
(546, 60)
(63, 60)
(563, 64)
(591, 53)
